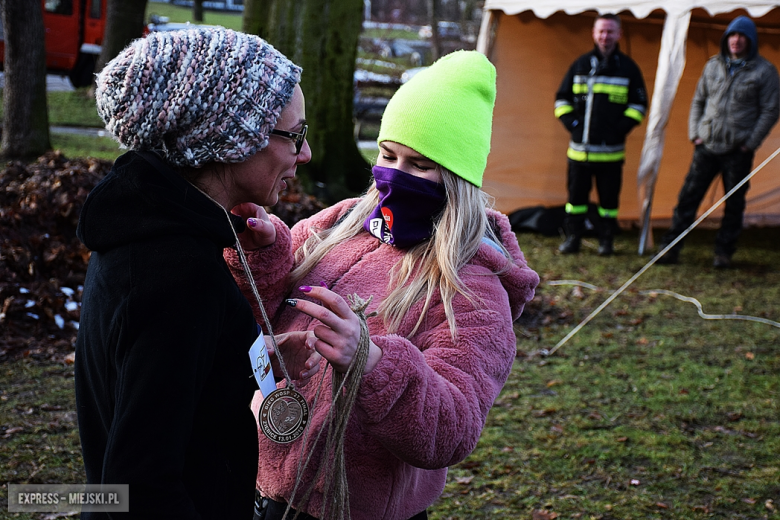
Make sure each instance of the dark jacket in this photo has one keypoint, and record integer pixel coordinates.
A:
(730, 110)
(599, 102)
(163, 378)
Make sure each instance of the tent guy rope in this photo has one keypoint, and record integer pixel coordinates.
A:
(710, 316)
(681, 297)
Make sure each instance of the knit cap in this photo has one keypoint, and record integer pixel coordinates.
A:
(445, 112)
(196, 96)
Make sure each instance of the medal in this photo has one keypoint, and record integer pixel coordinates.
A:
(284, 412)
(283, 415)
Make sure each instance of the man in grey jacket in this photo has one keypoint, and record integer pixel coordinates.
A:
(736, 104)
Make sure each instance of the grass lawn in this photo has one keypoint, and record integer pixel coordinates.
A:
(73, 146)
(77, 108)
(649, 412)
(73, 108)
(391, 34)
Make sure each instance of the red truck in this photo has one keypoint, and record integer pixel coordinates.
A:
(74, 35)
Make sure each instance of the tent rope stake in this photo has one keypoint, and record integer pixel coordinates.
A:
(661, 253)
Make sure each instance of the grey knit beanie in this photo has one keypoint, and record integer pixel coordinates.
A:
(196, 96)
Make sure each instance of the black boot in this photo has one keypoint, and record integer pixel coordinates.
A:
(722, 261)
(606, 236)
(574, 226)
(673, 255)
(670, 257)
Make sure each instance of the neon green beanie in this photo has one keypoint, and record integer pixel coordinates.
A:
(445, 113)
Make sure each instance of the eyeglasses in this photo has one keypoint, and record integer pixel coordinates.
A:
(299, 138)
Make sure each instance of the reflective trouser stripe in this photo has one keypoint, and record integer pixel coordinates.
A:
(571, 209)
(580, 156)
(608, 213)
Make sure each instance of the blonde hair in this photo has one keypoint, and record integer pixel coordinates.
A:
(425, 268)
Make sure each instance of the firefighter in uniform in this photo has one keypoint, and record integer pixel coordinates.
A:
(600, 100)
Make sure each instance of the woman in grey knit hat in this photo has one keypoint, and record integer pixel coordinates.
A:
(214, 121)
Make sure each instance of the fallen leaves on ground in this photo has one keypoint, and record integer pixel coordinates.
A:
(43, 264)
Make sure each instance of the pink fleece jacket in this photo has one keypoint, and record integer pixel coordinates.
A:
(423, 407)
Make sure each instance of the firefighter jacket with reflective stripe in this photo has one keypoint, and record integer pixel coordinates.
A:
(599, 102)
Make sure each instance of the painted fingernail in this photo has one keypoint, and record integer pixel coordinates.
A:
(251, 222)
(304, 288)
(323, 284)
(291, 302)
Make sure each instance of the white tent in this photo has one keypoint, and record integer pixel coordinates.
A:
(532, 44)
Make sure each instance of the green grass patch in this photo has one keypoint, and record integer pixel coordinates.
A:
(39, 428)
(77, 108)
(74, 108)
(649, 412)
(73, 146)
(391, 34)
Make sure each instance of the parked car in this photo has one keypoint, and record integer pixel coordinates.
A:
(218, 5)
(447, 31)
(414, 49)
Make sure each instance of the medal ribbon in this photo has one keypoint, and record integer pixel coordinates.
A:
(248, 274)
(341, 408)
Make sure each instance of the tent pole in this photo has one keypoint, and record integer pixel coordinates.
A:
(487, 32)
(671, 62)
(646, 227)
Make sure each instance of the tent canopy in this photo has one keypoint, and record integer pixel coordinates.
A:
(639, 8)
(533, 43)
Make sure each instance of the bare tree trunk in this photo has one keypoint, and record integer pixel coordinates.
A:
(256, 17)
(433, 17)
(26, 121)
(467, 14)
(322, 36)
(124, 23)
(197, 11)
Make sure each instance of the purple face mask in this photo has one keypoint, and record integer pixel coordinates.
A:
(407, 207)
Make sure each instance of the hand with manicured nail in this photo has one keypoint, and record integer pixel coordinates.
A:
(301, 360)
(338, 334)
(260, 231)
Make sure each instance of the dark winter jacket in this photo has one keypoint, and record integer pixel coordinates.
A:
(599, 102)
(729, 111)
(163, 378)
